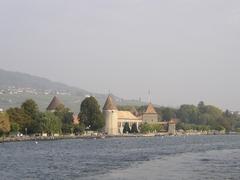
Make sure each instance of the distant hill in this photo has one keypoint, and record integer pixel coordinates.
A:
(20, 80)
(16, 87)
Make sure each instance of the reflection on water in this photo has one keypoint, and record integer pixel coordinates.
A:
(196, 157)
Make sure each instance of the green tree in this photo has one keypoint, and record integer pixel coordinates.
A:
(145, 128)
(211, 116)
(90, 114)
(157, 127)
(78, 129)
(18, 115)
(188, 114)
(134, 128)
(4, 123)
(30, 107)
(126, 128)
(168, 113)
(64, 114)
(151, 128)
(67, 128)
(66, 118)
(225, 123)
(201, 107)
(50, 123)
(15, 127)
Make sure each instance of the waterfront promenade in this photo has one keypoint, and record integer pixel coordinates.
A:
(65, 137)
(100, 136)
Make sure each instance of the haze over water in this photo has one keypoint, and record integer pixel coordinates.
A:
(183, 51)
(193, 157)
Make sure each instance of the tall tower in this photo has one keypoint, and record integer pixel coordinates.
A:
(110, 113)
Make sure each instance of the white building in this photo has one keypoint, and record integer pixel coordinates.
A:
(115, 119)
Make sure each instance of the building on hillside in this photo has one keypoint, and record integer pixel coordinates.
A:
(115, 119)
(54, 104)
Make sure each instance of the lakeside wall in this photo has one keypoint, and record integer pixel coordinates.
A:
(95, 136)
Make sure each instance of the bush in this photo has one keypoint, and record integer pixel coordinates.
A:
(79, 129)
(134, 128)
(149, 128)
(126, 128)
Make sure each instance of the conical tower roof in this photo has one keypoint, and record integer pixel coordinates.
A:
(150, 109)
(110, 104)
(54, 103)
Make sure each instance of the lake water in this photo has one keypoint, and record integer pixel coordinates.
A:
(192, 157)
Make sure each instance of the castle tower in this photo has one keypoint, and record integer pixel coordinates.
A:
(150, 116)
(54, 104)
(110, 113)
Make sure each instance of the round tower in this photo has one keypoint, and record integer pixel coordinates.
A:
(54, 104)
(110, 113)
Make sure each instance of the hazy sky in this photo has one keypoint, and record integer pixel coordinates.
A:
(183, 50)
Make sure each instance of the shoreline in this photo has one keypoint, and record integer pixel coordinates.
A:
(42, 138)
(66, 137)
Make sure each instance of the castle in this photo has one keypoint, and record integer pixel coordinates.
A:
(115, 119)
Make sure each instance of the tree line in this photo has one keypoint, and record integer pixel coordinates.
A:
(200, 117)
(28, 119)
